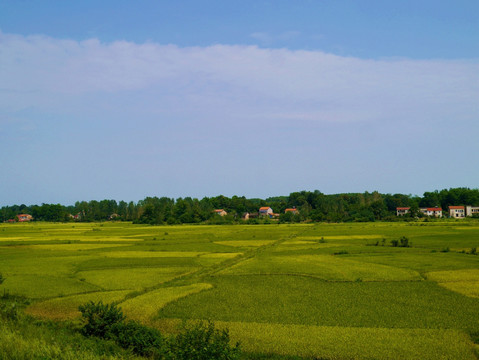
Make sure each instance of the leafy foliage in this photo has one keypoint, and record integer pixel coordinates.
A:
(140, 339)
(402, 242)
(100, 318)
(204, 342)
(311, 205)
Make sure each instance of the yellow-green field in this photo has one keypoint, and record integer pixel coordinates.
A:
(331, 291)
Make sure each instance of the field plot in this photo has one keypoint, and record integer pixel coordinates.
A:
(332, 291)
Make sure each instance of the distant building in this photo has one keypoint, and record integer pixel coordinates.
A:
(220, 212)
(291, 210)
(245, 216)
(472, 210)
(457, 212)
(435, 211)
(24, 217)
(265, 211)
(401, 211)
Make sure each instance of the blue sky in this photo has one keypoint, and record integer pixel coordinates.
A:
(123, 99)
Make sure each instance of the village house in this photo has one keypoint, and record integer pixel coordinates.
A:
(220, 212)
(265, 211)
(472, 210)
(457, 212)
(434, 211)
(245, 216)
(291, 210)
(401, 211)
(24, 217)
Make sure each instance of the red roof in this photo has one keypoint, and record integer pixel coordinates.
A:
(290, 210)
(402, 208)
(264, 208)
(456, 207)
(434, 209)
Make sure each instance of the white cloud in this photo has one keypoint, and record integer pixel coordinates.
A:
(245, 81)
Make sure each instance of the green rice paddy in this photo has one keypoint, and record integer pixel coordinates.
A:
(332, 291)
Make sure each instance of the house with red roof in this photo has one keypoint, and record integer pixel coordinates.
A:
(265, 211)
(24, 217)
(401, 211)
(291, 210)
(432, 211)
(220, 212)
(457, 212)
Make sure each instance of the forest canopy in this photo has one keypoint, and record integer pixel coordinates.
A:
(310, 206)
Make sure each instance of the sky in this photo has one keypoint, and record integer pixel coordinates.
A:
(127, 99)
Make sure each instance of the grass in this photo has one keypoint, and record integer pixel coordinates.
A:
(352, 343)
(146, 306)
(325, 267)
(280, 289)
(153, 254)
(245, 243)
(465, 281)
(45, 286)
(66, 308)
(309, 301)
(132, 278)
(32, 340)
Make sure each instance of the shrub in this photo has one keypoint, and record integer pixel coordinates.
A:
(404, 242)
(199, 342)
(100, 318)
(9, 311)
(141, 340)
(203, 341)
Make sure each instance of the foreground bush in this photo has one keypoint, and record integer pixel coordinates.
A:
(203, 341)
(199, 342)
(141, 340)
(99, 318)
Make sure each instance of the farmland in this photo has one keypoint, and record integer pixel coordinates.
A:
(335, 291)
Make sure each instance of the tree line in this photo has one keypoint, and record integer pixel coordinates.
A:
(311, 206)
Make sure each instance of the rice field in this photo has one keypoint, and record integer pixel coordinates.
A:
(331, 291)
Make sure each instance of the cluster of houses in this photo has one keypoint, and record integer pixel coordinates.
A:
(21, 218)
(264, 211)
(457, 212)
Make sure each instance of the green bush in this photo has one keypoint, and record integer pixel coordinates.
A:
(9, 311)
(199, 342)
(99, 318)
(141, 340)
(402, 242)
(204, 342)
